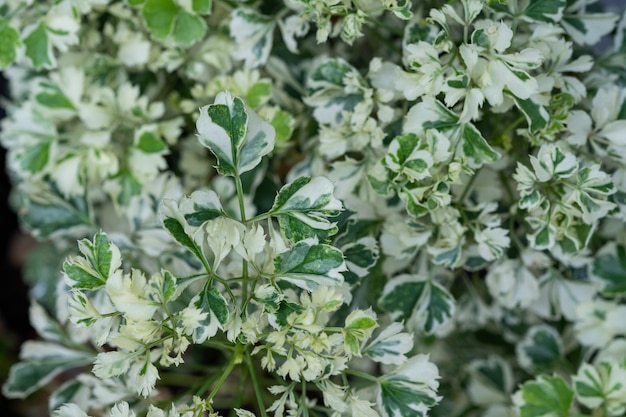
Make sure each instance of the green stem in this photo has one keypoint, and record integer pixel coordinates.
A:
(361, 375)
(206, 384)
(242, 214)
(240, 194)
(259, 217)
(255, 384)
(303, 397)
(468, 187)
(225, 374)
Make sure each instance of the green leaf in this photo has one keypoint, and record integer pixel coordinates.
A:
(38, 47)
(610, 268)
(35, 157)
(259, 93)
(408, 390)
(536, 115)
(236, 135)
(27, 376)
(9, 42)
(283, 123)
(159, 16)
(188, 28)
(304, 206)
(202, 6)
(540, 350)
(148, 142)
(549, 11)
(309, 265)
(546, 396)
(362, 323)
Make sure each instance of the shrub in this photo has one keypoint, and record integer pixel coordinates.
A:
(309, 208)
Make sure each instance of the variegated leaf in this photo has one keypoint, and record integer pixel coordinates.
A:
(41, 362)
(304, 206)
(210, 301)
(540, 350)
(99, 260)
(410, 389)
(236, 135)
(428, 304)
(310, 264)
(390, 346)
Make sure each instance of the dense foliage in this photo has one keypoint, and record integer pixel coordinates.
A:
(310, 208)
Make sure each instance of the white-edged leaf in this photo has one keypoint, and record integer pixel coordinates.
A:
(409, 390)
(236, 135)
(423, 301)
(360, 257)
(328, 93)
(430, 113)
(604, 385)
(40, 363)
(44, 325)
(540, 350)
(174, 222)
(310, 264)
(536, 115)
(552, 163)
(588, 29)
(70, 391)
(548, 11)
(406, 158)
(609, 268)
(390, 346)
(210, 301)
(253, 34)
(200, 207)
(99, 260)
(491, 380)
(303, 207)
